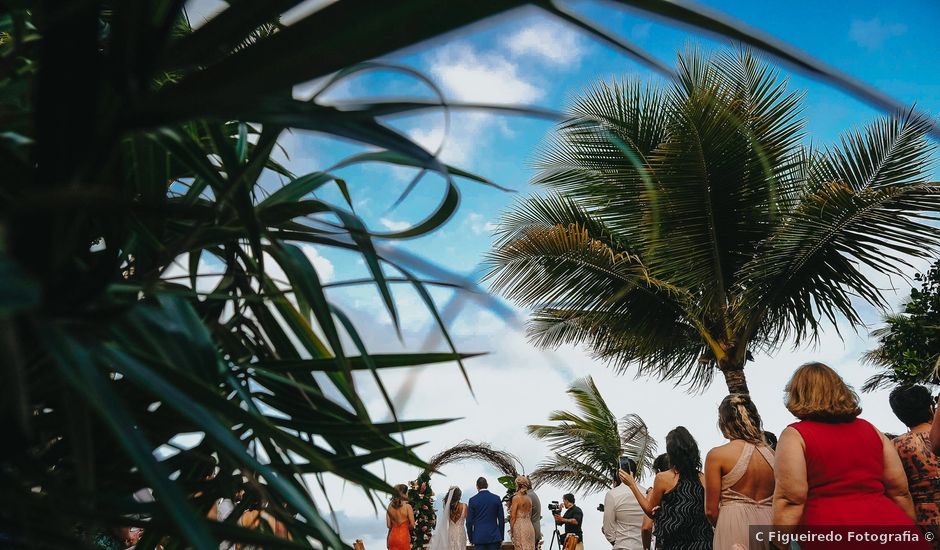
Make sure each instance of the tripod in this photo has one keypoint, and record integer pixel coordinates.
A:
(556, 536)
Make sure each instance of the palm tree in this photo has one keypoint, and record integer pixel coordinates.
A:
(687, 226)
(588, 444)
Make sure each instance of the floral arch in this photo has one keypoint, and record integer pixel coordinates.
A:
(421, 495)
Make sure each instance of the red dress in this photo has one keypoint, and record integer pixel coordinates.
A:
(399, 536)
(845, 471)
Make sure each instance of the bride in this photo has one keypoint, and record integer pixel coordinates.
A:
(450, 533)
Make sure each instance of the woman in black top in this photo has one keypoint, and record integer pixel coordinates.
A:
(679, 493)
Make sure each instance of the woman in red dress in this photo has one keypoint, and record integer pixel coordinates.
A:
(400, 520)
(835, 469)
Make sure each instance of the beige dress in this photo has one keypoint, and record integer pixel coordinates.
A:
(736, 512)
(523, 534)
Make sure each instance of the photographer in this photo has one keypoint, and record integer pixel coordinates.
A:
(623, 516)
(571, 519)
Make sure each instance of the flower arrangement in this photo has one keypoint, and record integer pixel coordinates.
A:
(421, 498)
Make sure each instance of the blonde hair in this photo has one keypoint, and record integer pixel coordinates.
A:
(522, 485)
(738, 419)
(816, 392)
(400, 496)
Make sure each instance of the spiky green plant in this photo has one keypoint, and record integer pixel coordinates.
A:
(687, 226)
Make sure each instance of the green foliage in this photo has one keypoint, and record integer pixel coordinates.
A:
(421, 497)
(124, 377)
(588, 444)
(509, 483)
(909, 344)
(686, 227)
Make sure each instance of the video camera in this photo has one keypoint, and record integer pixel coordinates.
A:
(554, 507)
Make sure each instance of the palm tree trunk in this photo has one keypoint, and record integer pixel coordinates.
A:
(734, 378)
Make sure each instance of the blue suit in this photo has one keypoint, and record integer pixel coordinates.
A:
(485, 521)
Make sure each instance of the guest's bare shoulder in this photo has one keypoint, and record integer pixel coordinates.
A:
(724, 453)
(665, 479)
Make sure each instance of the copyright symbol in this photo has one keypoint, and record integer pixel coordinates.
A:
(929, 536)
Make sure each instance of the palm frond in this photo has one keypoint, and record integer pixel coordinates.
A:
(599, 157)
(657, 341)
(865, 206)
(617, 309)
(573, 475)
(588, 443)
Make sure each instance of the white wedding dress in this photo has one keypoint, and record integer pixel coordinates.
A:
(449, 535)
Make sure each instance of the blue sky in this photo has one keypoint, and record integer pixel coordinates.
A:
(530, 59)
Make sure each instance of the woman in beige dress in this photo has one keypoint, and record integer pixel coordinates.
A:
(739, 476)
(520, 517)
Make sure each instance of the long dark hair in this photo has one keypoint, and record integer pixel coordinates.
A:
(661, 464)
(455, 504)
(401, 495)
(683, 453)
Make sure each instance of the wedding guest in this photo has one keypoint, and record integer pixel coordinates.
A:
(660, 464)
(223, 507)
(680, 493)
(536, 513)
(117, 538)
(521, 531)
(935, 429)
(832, 467)
(623, 516)
(739, 476)
(400, 520)
(256, 517)
(914, 406)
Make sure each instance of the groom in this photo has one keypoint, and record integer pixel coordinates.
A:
(485, 521)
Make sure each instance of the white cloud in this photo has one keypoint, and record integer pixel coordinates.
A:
(461, 144)
(208, 272)
(469, 75)
(296, 152)
(479, 225)
(873, 33)
(456, 148)
(550, 41)
(394, 225)
(324, 267)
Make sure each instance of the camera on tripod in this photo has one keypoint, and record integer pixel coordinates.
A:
(554, 507)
